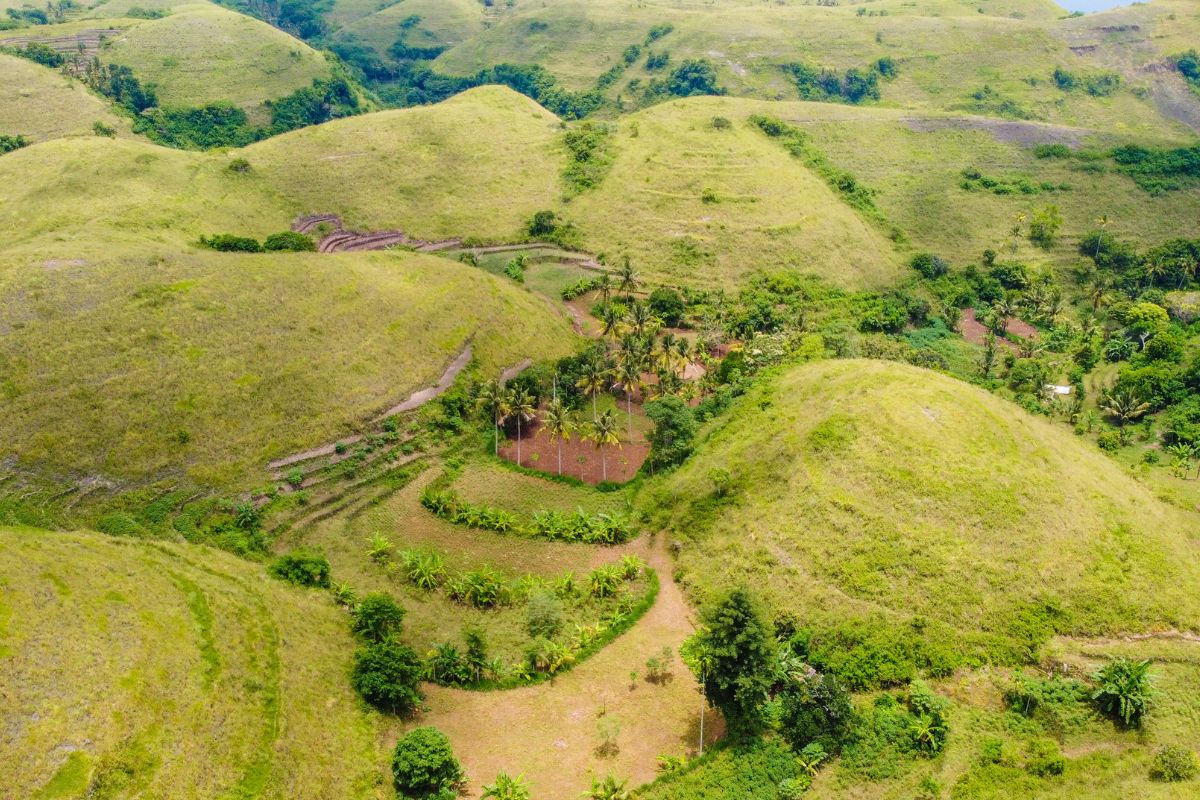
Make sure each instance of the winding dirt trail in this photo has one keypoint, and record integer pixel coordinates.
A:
(549, 731)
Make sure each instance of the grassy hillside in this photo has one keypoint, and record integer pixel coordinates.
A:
(478, 165)
(696, 204)
(205, 54)
(887, 507)
(39, 103)
(188, 674)
(443, 22)
(226, 361)
(944, 51)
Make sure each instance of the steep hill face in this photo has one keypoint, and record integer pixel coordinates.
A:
(151, 669)
(882, 506)
(39, 103)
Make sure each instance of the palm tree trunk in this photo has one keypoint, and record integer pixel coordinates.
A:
(518, 440)
(560, 456)
(603, 464)
(595, 413)
(629, 411)
(496, 435)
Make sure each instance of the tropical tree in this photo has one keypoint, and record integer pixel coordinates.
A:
(642, 322)
(556, 421)
(1124, 405)
(629, 280)
(605, 284)
(612, 321)
(591, 381)
(521, 407)
(1123, 690)
(608, 789)
(603, 431)
(629, 380)
(493, 399)
(506, 787)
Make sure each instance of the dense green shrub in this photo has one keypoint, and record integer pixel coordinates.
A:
(303, 568)
(424, 766)
(199, 128)
(1173, 763)
(289, 241)
(757, 769)
(816, 709)
(674, 431)
(118, 83)
(854, 86)
(10, 143)
(543, 615)
(1158, 169)
(929, 265)
(231, 243)
(387, 675)
(1123, 690)
(38, 52)
(1045, 758)
(739, 650)
(667, 305)
(377, 617)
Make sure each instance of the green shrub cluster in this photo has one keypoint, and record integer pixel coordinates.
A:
(855, 85)
(591, 156)
(578, 526)
(973, 179)
(1097, 84)
(10, 143)
(1174, 763)
(424, 766)
(303, 568)
(37, 52)
(286, 241)
(1159, 169)
(580, 288)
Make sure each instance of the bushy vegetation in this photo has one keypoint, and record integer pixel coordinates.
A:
(589, 147)
(387, 675)
(576, 527)
(9, 143)
(286, 241)
(855, 85)
(302, 568)
(424, 766)
(1173, 763)
(1098, 84)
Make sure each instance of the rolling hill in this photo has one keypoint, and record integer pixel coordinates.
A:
(883, 507)
(39, 103)
(188, 673)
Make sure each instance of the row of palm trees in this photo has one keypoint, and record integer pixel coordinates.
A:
(504, 404)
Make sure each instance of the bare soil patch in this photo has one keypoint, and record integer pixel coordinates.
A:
(1007, 131)
(975, 331)
(580, 458)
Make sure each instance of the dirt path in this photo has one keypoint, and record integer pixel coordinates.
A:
(549, 731)
(418, 399)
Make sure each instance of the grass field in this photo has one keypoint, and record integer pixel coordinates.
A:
(864, 490)
(39, 103)
(693, 204)
(443, 22)
(227, 361)
(205, 54)
(188, 673)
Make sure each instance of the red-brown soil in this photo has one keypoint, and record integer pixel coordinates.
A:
(580, 458)
(975, 331)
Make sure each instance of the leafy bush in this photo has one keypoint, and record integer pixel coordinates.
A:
(590, 156)
(289, 241)
(816, 709)
(482, 588)
(303, 568)
(929, 265)
(387, 675)
(1174, 763)
(230, 243)
(424, 766)
(543, 615)
(674, 431)
(10, 143)
(667, 305)
(198, 128)
(1045, 758)
(1123, 690)
(377, 617)
(757, 769)
(38, 52)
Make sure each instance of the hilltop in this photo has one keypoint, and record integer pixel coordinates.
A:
(906, 518)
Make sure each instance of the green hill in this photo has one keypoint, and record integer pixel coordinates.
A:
(202, 54)
(151, 669)
(39, 103)
(910, 520)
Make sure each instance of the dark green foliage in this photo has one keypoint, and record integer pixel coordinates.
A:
(674, 431)
(377, 617)
(1183, 422)
(28, 16)
(1188, 65)
(387, 675)
(667, 305)
(303, 568)
(695, 76)
(424, 766)
(1099, 84)
(854, 86)
(118, 83)
(986, 100)
(1158, 169)
(1044, 758)
(543, 615)
(10, 143)
(816, 709)
(1123, 690)
(214, 125)
(1052, 151)
(324, 100)
(37, 52)
(289, 241)
(230, 243)
(754, 769)
(1174, 763)
(929, 265)
(447, 667)
(543, 224)
(590, 156)
(658, 31)
(657, 61)
(740, 654)
(871, 653)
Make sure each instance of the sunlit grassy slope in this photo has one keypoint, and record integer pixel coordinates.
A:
(443, 22)
(39, 103)
(944, 50)
(865, 490)
(135, 669)
(203, 54)
(764, 208)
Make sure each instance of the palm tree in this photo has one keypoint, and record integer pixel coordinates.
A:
(592, 380)
(605, 284)
(521, 405)
(612, 321)
(603, 431)
(1097, 291)
(1002, 309)
(556, 419)
(1124, 405)
(629, 277)
(629, 380)
(495, 400)
(1101, 221)
(642, 322)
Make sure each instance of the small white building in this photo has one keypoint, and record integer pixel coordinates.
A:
(1053, 388)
